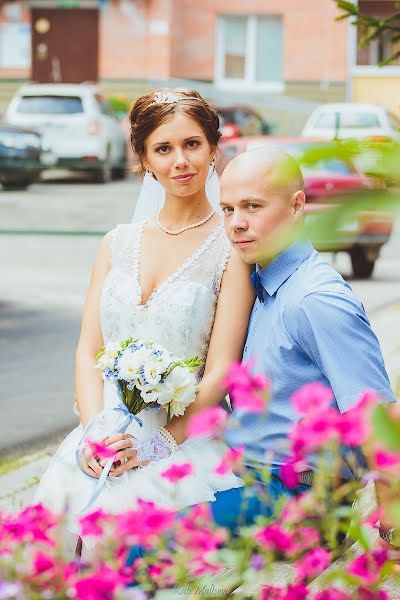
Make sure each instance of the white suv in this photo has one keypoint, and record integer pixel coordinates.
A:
(76, 124)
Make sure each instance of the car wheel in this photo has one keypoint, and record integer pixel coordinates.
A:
(362, 265)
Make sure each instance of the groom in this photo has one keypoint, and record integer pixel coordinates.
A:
(306, 325)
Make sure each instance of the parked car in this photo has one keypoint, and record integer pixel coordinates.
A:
(76, 123)
(238, 120)
(21, 154)
(353, 120)
(329, 181)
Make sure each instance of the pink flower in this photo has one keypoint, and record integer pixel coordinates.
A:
(100, 450)
(289, 474)
(177, 472)
(313, 563)
(90, 524)
(374, 519)
(332, 594)
(385, 459)
(353, 427)
(365, 594)
(102, 584)
(292, 592)
(41, 563)
(273, 537)
(312, 398)
(145, 524)
(367, 566)
(33, 524)
(209, 421)
(200, 566)
(306, 538)
(313, 431)
(248, 392)
(230, 461)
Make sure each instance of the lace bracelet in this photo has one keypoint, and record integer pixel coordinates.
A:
(155, 447)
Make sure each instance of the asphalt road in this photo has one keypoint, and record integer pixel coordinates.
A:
(43, 279)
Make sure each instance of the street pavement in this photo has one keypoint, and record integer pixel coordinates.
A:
(44, 278)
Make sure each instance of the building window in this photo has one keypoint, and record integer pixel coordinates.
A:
(382, 48)
(250, 49)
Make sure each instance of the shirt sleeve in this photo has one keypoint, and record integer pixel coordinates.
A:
(333, 330)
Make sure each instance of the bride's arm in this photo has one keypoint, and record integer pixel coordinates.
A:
(235, 301)
(88, 380)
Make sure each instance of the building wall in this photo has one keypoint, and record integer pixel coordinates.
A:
(315, 45)
(376, 89)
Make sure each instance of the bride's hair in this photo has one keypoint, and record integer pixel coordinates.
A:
(156, 107)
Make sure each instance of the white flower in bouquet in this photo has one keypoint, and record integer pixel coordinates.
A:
(184, 384)
(111, 352)
(162, 394)
(128, 365)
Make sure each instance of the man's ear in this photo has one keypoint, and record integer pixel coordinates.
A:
(297, 203)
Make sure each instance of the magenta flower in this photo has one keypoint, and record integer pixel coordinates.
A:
(292, 592)
(42, 563)
(367, 566)
(313, 563)
(230, 461)
(100, 450)
(144, 524)
(208, 422)
(332, 594)
(353, 427)
(101, 585)
(177, 472)
(306, 538)
(273, 537)
(312, 398)
(289, 475)
(248, 392)
(384, 459)
(33, 524)
(374, 519)
(313, 431)
(365, 594)
(90, 524)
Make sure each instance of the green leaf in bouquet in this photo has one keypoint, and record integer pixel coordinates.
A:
(385, 429)
(101, 353)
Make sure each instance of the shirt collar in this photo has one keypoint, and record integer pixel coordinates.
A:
(275, 273)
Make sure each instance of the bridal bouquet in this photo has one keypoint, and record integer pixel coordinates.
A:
(148, 375)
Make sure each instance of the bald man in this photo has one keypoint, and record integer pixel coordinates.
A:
(306, 325)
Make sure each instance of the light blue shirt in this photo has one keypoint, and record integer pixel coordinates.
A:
(309, 328)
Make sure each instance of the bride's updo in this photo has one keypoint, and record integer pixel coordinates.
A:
(156, 107)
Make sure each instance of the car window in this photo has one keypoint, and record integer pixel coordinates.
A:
(353, 120)
(329, 166)
(50, 105)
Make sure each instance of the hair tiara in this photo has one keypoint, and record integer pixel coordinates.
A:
(168, 97)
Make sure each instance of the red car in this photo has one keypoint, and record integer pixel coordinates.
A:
(331, 181)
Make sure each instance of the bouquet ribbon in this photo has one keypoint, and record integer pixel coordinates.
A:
(121, 408)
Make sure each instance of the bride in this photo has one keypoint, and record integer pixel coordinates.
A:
(170, 278)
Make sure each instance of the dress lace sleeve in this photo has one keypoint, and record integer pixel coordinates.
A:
(222, 262)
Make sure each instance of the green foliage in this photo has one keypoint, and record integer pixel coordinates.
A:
(372, 27)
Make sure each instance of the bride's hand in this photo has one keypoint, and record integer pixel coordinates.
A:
(124, 445)
(89, 464)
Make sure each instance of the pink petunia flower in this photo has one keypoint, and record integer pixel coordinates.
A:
(177, 472)
(288, 473)
(230, 461)
(144, 524)
(103, 584)
(313, 563)
(312, 398)
(332, 594)
(385, 459)
(291, 592)
(208, 422)
(373, 520)
(313, 431)
(367, 566)
(100, 450)
(353, 427)
(90, 524)
(248, 392)
(273, 537)
(366, 594)
(42, 563)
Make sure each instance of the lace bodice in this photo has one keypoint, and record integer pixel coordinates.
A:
(180, 313)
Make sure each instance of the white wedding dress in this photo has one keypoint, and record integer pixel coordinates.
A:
(179, 315)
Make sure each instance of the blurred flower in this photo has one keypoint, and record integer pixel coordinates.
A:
(332, 594)
(257, 562)
(101, 585)
(313, 432)
(365, 594)
(89, 524)
(100, 450)
(230, 461)
(177, 472)
(248, 392)
(42, 562)
(353, 427)
(273, 537)
(311, 398)
(367, 566)
(9, 591)
(384, 459)
(292, 592)
(313, 563)
(208, 422)
(145, 524)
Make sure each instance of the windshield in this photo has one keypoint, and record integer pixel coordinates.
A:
(353, 120)
(50, 105)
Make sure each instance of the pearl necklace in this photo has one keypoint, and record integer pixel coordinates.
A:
(178, 231)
